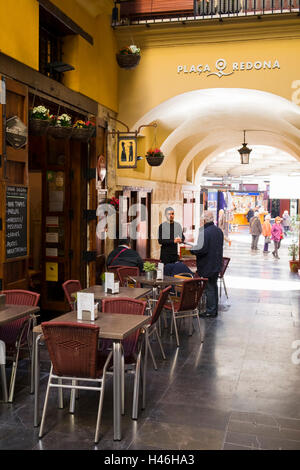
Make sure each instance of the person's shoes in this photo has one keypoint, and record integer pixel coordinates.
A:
(277, 257)
(273, 253)
(208, 315)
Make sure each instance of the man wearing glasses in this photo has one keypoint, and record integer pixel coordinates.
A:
(170, 234)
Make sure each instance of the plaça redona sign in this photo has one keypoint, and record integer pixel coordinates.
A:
(220, 69)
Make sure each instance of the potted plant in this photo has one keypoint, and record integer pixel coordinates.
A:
(83, 130)
(39, 120)
(150, 269)
(155, 157)
(61, 126)
(128, 57)
(293, 248)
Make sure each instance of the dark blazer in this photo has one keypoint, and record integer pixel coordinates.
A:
(209, 250)
(129, 257)
(166, 234)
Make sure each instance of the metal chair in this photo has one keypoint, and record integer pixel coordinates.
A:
(69, 288)
(125, 271)
(3, 372)
(187, 305)
(152, 328)
(113, 269)
(16, 334)
(221, 276)
(132, 347)
(75, 358)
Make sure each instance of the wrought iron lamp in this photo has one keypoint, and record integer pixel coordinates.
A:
(245, 152)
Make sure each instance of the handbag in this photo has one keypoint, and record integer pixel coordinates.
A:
(268, 239)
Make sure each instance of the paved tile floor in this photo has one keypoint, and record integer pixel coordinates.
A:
(238, 390)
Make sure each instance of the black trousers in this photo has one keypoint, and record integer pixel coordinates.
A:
(212, 297)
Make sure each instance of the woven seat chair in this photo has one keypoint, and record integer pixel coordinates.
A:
(132, 347)
(187, 305)
(16, 334)
(221, 276)
(152, 328)
(124, 271)
(69, 288)
(75, 358)
(113, 269)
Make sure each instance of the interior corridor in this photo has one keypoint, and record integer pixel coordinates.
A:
(238, 390)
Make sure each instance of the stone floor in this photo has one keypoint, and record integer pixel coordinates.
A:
(240, 389)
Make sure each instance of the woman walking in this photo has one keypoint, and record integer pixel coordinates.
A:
(277, 235)
(286, 222)
(266, 231)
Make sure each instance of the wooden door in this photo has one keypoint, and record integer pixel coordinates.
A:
(14, 192)
(188, 216)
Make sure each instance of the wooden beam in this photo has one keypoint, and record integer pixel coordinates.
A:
(12, 68)
(66, 20)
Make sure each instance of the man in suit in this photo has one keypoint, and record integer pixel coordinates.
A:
(209, 255)
(124, 255)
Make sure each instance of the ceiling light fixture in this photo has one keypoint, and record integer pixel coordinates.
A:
(245, 152)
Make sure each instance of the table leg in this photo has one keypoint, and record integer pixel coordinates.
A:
(32, 358)
(145, 367)
(36, 366)
(117, 382)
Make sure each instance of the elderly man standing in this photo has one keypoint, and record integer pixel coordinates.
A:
(209, 254)
(255, 230)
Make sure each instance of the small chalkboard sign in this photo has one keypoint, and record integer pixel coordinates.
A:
(16, 221)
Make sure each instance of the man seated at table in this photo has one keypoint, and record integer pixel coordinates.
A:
(124, 255)
(172, 269)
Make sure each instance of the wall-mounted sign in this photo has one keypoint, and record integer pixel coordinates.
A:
(127, 151)
(222, 69)
(16, 222)
(101, 168)
(16, 132)
(52, 272)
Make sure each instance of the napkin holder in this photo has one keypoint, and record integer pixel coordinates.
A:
(2, 301)
(87, 314)
(114, 289)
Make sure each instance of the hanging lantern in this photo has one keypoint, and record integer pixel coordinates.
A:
(244, 152)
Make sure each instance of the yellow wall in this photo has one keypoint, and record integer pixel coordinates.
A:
(156, 79)
(19, 30)
(96, 70)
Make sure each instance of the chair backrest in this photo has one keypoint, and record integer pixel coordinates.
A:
(224, 266)
(113, 269)
(69, 287)
(192, 290)
(21, 297)
(125, 305)
(72, 348)
(11, 331)
(162, 299)
(126, 271)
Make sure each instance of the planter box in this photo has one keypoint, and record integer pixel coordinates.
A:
(84, 134)
(60, 132)
(38, 127)
(294, 266)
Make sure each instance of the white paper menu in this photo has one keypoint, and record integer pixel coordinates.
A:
(85, 302)
(109, 282)
(160, 271)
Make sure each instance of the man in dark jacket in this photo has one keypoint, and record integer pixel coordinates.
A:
(170, 234)
(209, 254)
(123, 255)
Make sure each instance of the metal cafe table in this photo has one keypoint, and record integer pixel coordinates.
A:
(130, 292)
(10, 313)
(113, 326)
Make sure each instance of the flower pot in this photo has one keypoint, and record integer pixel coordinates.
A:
(83, 134)
(60, 132)
(150, 275)
(155, 160)
(294, 266)
(128, 61)
(38, 127)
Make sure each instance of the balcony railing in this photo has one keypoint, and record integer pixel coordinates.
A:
(160, 11)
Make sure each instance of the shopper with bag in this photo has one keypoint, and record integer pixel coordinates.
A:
(266, 231)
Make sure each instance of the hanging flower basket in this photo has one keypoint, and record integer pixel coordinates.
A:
(39, 121)
(62, 127)
(155, 157)
(128, 57)
(38, 127)
(83, 131)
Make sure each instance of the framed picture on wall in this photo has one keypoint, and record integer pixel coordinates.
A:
(127, 151)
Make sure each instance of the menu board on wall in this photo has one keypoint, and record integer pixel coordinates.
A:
(16, 221)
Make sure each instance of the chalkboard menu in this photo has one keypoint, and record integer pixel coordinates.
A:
(16, 221)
